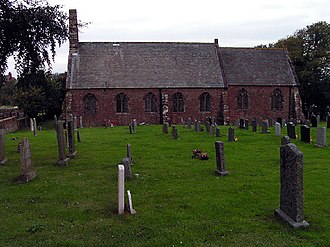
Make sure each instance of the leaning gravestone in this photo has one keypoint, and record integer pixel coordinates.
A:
(292, 186)
(130, 203)
(2, 147)
(277, 129)
(264, 127)
(305, 134)
(220, 159)
(127, 165)
(291, 130)
(27, 171)
(321, 137)
(231, 134)
(72, 146)
(318, 119)
(62, 160)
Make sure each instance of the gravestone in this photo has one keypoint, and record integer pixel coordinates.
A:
(285, 140)
(3, 159)
(81, 122)
(195, 125)
(189, 123)
(254, 125)
(231, 134)
(78, 136)
(305, 134)
(264, 127)
(34, 126)
(198, 126)
(62, 160)
(241, 123)
(207, 126)
(165, 128)
(27, 171)
(220, 159)
(31, 124)
(321, 137)
(318, 119)
(72, 146)
(129, 153)
(313, 120)
(328, 122)
(279, 120)
(121, 189)
(175, 132)
(130, 203)
(246, 124)
(217, 132)
(127, 166)
(291, 130)
(75, 123)
(277, 129)
(212, 129)
(291, 208)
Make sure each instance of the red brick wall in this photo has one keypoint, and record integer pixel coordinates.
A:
(9, 124)
(259, 103)
(106, 106)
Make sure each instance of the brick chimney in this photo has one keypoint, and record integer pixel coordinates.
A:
(73, 30)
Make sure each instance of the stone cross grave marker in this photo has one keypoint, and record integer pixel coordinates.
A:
(220, 159)
(121, 189)
(62, 159)
(217, 132)
(321, 137)
(305, 134)
(27, 171)
(277, 129)
(3, 159)
(291, 130)
(130, 203)
(291, 208)
(231, 134)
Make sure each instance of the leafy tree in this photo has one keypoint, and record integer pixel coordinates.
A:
(30, 30)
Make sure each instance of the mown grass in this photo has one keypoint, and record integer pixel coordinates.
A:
(179, 200)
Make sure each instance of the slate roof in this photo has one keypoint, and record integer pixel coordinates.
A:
(260, 67)
(147, 65)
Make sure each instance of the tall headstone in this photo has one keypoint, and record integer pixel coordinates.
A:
(127, 165)
(27, 171)
(231, 134)
(277, 129)
(129, 153)
(217, 132)
(34, 126)
(78, 136)
(75, 123)
(321, 137)
(291, 130)
(212, 129)
(31, 124)
(220, 159)
(2, 147)
(318, 119)
(72, 146)
(81, 122)
(254, 125)
(291, 207)
(314, 120)
(305, 134)
(62, 159)
(189, 123)
(121, 189)
(264, 127)
(195, 125)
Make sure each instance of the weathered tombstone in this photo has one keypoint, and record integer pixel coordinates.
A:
(313, 120)
(27, 171)
(264, 127)
(328, 122)
(81, 122)
(134, 124)
(291, 130)
(291, 207)
(321, 137)
(189, 123)
(277, 129)
(127, 165)
(72, 146)
(165, 128)
(130, 203)
(175, 133)
(78, 136)
(212, 129)
(75, 123)
(217, 132)
(318, 119)
(305, 134)
(198, 126)
(121, 189)
(220, 159)
(241, 123)
(231, 134)
(195, 125)
(2, 147)
(31, 124)
(207, 126)
(62, 160)
(285, 140)
(34, 126)
(129, 153)
(130, 128)
(254, 125)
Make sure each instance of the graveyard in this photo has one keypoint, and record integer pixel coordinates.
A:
(179, 200)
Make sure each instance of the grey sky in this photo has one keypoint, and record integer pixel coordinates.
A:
(236, 23)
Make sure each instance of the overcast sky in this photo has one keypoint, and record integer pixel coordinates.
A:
(236, 23)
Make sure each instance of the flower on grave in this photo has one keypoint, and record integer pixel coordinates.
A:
(196, 153)
(236, 139)
(204, 156)
(296, 136)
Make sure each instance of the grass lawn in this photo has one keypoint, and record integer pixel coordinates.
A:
(179, 200)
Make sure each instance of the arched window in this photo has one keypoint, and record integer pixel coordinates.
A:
(242, 100)
(178, 102)
(277, 100)
(205, 102)
(151, 103)
(90, 104)
(121, 103)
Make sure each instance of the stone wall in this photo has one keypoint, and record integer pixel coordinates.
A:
(9, 124)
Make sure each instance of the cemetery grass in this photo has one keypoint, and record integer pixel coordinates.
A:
(179, 200)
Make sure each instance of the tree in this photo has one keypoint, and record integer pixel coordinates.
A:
(309, 50)
(30, 31)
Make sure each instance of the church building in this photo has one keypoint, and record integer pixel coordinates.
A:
(154, 82)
